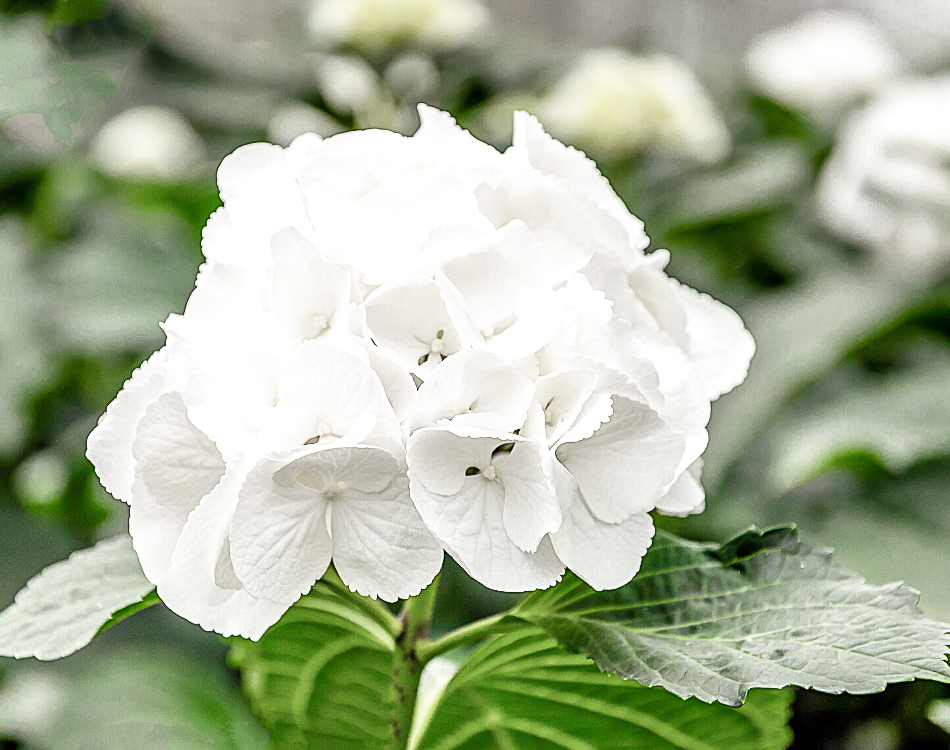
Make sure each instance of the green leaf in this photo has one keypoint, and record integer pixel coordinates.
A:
(800, 335)
(65, 606)
(895, 421)
(37, 77)
(126, 699)
(521, 691)
(130, 268)
(763, 179)
(321, 677)
(764, 610)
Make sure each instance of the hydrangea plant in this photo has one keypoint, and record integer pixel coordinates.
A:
(401, 347)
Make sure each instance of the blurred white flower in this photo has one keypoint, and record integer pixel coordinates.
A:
(412, 76)
(378, 24)
(400, 346)
(823, 63)
(348, 83)
(614, 103)
(42, 478)
(148, 143)
(293, 119)
(886, 185)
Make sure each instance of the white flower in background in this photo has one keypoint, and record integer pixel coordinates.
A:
(613, 103)
(886, 186)
(400, 346)
(379, 24)
(148, 143)
(293, 119)
(822, 64)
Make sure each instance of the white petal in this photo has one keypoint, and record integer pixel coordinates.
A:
(686, 496)
(109, 446)
(175, 466)
(470, 526)
(307, 291)
(231, 388)
(330, 394)
(719, 344)
(711, 334)
(475, 388)
(531, 508)
(408, 318)
(605, 555)
(395, 378)
(381, 547)
(551, 157)
(201, 585)
(280, 544)
(627, 465)
(439, 456)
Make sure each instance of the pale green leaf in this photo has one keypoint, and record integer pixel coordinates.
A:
(896, 421)
(521, 691)
(763, 179)
(800, 335)
(129, 268)
(63, 608)
(321, 677)
(763, 610)
(126, 699)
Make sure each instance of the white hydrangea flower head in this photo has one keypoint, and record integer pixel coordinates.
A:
(380, 24)
(148, 143)
(613, 103)
(886, 186)
(405, 346)
(823, 63)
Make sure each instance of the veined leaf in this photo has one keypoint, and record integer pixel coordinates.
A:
(321, 677)
(763, 610)
(63, 608)
(521, 691)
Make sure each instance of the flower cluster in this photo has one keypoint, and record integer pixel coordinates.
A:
(886, 185)
(614, 103)
(399, 346)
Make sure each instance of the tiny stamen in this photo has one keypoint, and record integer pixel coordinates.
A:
(489, 473)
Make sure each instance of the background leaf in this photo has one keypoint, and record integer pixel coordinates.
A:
(764, 610)
(521, 690)
(320, 677)
(63, 608)
(126, 699)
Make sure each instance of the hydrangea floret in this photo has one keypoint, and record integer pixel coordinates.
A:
(399, 346)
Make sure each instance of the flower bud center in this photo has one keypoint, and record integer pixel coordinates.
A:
(489, 473)
(320, 323)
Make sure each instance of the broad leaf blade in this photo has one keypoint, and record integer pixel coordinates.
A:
(321, 677)
(521, 691)
(63, 608)
(762, 611)
(896, 421)
(126, 699)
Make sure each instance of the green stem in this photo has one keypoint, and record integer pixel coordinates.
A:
(471, 633)
(407, 668)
